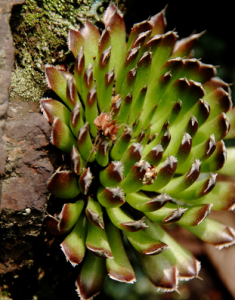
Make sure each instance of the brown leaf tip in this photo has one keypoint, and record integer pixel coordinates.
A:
(116, 103)
(137, 147)
(227, 123)
(196, 167)
(118, 167)
(88, 76)
(141, 38)
(211, 145)
(229, 234)
(209, 184)
(157, 149)
(193, 271)
(69, 255)
(170, 161)
(170, 282)
(80, 61)
(95, 218)
(162, 198)
(155, 249)
(117, 192)
(175, 216)
(132, 53)
(203, 213)
(186, 139)
(75, 160)
(75, 114)
(105, 56)
(135, 225)
(143, 165)
(81, 293)
(104, 146)
(125, 277)
(83, 131)
(101, 252)
(85, 180)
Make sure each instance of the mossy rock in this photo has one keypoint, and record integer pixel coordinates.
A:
(40, 32)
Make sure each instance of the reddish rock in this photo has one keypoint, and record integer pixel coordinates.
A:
(27, 165)
(24, 191)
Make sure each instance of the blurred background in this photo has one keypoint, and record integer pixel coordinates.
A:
(216, 46)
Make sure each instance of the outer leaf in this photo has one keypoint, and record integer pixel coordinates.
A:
(183, 47)
(166, 215)
(91, 277)
(58, 83)
(69, 215)
(214, 232)
(118, 39)
(112, 175)
(102, 156)
(144, 203)
(85, 145)
(63, 184)
(198, 189)
(62, 137)
(222, 196)
(159, 271)
(54, 109)
(76, 41)
(164, 175)
(131, 156)
(118, 267)
(122, 144)
(186, 264)
(228, 169)
(111, 197)
(195, 215)
(144, 243)
(76, 161)
(94, 213)
(97, 241)
(73, 245)
(231, 116)
(124, 221)
(85, 180)
(158, 22)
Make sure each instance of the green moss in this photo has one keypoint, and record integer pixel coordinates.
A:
(40, 29)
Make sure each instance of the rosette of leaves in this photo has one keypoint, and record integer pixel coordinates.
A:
(142, 122)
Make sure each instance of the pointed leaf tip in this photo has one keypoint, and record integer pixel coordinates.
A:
(85, 180)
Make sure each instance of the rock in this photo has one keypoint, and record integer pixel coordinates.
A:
(27, 164)
(6, 63)
(24, 191)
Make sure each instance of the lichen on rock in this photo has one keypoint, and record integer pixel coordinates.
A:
(39, 29)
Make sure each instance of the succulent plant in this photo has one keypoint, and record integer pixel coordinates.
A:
(142, 123)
